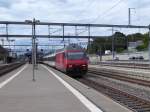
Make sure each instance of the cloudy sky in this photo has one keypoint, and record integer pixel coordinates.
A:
(81, 11)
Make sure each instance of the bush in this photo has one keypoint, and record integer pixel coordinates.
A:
(141, 47)
(120, 50)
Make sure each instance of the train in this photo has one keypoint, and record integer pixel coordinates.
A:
(72, 60)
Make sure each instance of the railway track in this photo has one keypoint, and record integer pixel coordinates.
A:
(126, 65)
(132, 102)
(118, 76)
(9, 67)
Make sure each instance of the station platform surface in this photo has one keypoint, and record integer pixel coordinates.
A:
(47, 93)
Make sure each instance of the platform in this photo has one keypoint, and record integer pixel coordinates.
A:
(49, 93)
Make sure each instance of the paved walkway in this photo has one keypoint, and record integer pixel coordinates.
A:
(46, 94)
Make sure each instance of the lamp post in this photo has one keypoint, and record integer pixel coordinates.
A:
(4, 57)
(113, 48)
(33, 23)
(129, 23)
(89, 42)
(129, 15)
(113, 43)
(149, 46)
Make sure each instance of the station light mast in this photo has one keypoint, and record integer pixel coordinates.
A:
(34, 58)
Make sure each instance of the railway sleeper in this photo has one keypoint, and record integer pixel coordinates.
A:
(9, 68)
(144, 110)
(128, 100)
(120, 97)
(136, 106)
(124, 78)
(141, 107)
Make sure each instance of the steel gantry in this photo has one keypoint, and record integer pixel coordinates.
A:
(62, 27)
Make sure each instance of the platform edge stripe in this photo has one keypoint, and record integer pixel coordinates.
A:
(82, 98)
(12, 77)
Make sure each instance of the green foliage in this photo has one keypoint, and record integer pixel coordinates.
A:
(120, 42)
(140, 48)
(145, 40)
(120, 50)
(135, 37)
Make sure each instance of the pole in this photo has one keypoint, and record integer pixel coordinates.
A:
(33, 48)
(129, 15)
(149, 45)
(14, 44)
(33, 54)
(89, 34)
(129, 23)
(100, 53)
(36, 54)
(127, 41)
(113, 53)
(49, 33)
(7, 31)
(4, 57)
(76, 32)
(63, 35)
(9, 43)
(34, 42)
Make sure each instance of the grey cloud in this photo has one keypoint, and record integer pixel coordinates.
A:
(5, 3)
(63, 1)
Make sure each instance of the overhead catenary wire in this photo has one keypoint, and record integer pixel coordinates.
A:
(102, 15)
(91, 2)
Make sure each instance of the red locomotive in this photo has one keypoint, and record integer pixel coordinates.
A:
(72, 60)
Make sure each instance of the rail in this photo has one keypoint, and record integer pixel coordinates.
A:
(119, 76)
(9, 67)
(124, 65)
(132, 102)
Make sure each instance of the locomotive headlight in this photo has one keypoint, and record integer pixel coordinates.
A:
(84, 65)
(70, 66)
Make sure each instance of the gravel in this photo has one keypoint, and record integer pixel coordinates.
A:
(134, 89)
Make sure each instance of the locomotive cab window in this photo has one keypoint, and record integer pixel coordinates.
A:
(75, 55)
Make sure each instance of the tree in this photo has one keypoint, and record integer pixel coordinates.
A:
(120, 42)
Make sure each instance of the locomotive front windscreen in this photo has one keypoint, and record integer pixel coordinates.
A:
(75, 55)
